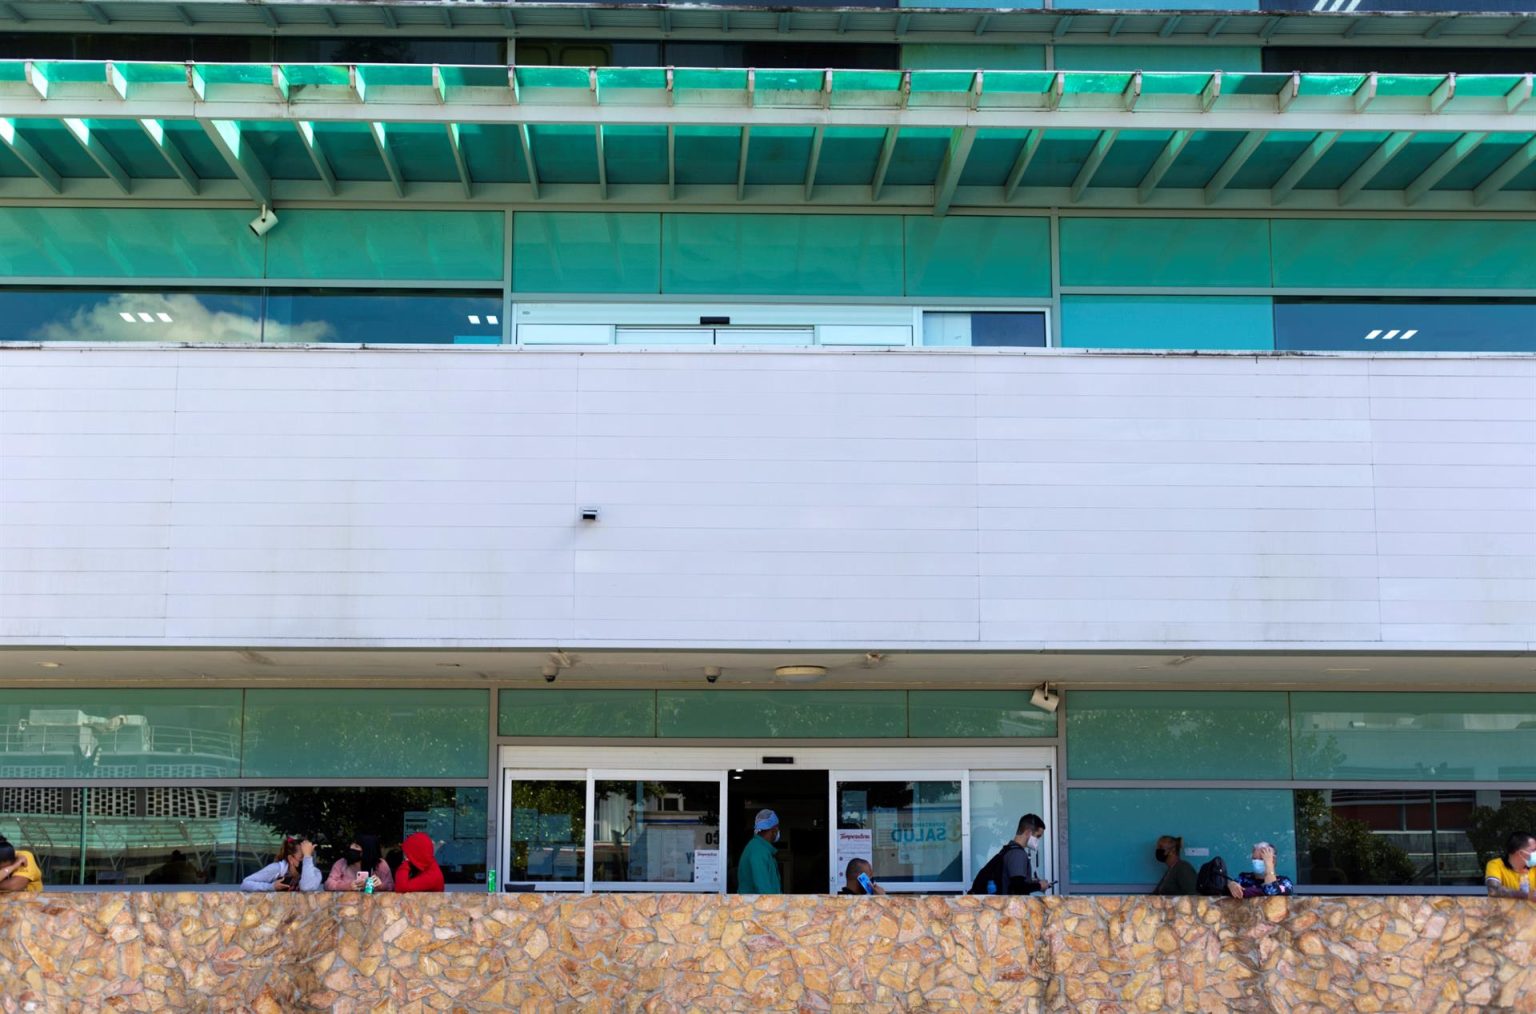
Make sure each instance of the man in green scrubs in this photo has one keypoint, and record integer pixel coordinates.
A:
(757, 872)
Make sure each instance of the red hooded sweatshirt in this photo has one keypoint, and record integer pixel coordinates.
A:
(420, 871)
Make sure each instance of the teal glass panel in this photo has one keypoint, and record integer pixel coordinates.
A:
(948, 56)
(51, 826)
(1208, 252)
(109, 733)
(976, 714)
(781, 714)
(1167, 322)
(790, 255)
(600, 713)
(964, 256)
(1412, 254)
(1114, 831)
(366, 733)
(54, 242)
(1414, 736)
(459, 245)
(1156, 734)
(1156, 58)
(586, 252)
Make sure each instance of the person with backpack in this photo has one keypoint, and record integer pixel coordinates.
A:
(1015, 868)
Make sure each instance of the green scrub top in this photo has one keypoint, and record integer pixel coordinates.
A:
(757, 873)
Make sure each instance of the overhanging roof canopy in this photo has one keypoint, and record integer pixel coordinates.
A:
(934, 139)
(1308, 22)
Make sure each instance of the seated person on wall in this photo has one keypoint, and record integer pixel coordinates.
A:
(420, 871)
(1261, 881)
(1178, 876)
(859, 873)
(18, 870)
(1513, 875)
(294, 869)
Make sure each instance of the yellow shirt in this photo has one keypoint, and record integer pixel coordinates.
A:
(29, 871)
(1498, 871)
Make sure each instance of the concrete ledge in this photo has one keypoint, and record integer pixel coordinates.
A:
(271, 953)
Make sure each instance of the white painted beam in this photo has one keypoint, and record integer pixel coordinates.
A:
(883, 163)
(253, 176)
(952, 168)
(1511, 167)
(467, 182)
(1165, 159)
(1091, 164)
(1233, 165)
(1305, 163)
(98, 153)
(1452, 157)
(156, 132)
(29, 155)
(1373, 165)
(316, 156)
(380, 134)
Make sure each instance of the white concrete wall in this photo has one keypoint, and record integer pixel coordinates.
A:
(285, 497)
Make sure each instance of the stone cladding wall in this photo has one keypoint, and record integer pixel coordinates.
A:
(272, 953)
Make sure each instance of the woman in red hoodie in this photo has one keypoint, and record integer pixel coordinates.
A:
(420, 871)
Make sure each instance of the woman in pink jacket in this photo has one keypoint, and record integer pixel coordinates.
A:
(358, 864)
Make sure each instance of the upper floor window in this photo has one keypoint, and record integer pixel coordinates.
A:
(1396, 325)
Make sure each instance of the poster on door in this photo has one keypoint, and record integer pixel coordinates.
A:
(921, 841)
(853, 843)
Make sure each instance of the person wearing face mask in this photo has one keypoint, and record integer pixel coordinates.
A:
(757, 871)
(1513, 875)
(360, 862)
(293, 870)
(1178, 875)
(1261, 880)
(1015, 868)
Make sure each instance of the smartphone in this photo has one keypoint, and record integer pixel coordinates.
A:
(864, 882)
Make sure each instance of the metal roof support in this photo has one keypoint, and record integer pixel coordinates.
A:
(1366, 93)
(977, 84)
(316, 156)
(439, 85)
(1091, 164)
(1270, 27)
(1304, 164)
(225, 135)
(1434, 30)
(514, 90)
(1021, 163)
(1215, 29)
(155, 131)
(98, 153)
(1165, 160)
(381, 141)
(117, 81)
(1373, 165)
(1130, 96)
(1058, 91)
(1211, 93)
(526, 140)
(357, 83)
(97, 14)
(467, 182)
(280, 82)
(1116, 25)
(330, 17)
(508, 19)
(1355, 26)
(842, 23)
(1521, 28)
(1234, 164)
(1513, 166)
(183, 14)
(1290, 92)
(1519, 95)
(982, 23)
(671, 163)
(29, 155)
(813, 161)
(1443, 93)
(952, 168)
(883, 164)
(784, 22)
(388, 16)
(902, 24)
(447, 14)
(741, 162)
(266, 15)
(1062, 27)
(10, 13)
(36, 78)
(1170, 25)
(1452, 157)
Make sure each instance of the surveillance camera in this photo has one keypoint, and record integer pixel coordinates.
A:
(712, 673)
(264, 222)
(1046, 698)
(550, 672)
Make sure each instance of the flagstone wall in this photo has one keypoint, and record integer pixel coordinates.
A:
(279, 953)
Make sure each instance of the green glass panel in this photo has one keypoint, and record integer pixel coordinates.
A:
(865, 81)
(1174, 83)
(59, 242)
(1167, 322)
(948, 56)
(1254, 84)
(237, 73)
(708, 79)
(789, 80)
(976, 714)
(1114, 831)
(1486, 85)
(153, 73)
(1404, 85)
(394, 74)
(1317, 85)
(1165, 251)
(791, 255)
(942, 81)
(1404, 254)
(459, 245)
(586, 252)
(1414, 736)
(631, 77)
(1020, 82)
(362, 732)
(781, 714)
(1155, 734)
(110, 733)
(593, 713)
(13, 70)
(965, 256)
(1157, 58)
(554, 77)
(326, 74)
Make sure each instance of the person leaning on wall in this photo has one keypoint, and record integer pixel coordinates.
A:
(294, 869)
(1260, 881)
(19, 872)
(1513, 875)
(419, 872)
(361, 862)
(1178, 876)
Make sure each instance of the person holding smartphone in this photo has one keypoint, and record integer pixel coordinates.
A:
(361, 862)
(860, 879)
(294, 869)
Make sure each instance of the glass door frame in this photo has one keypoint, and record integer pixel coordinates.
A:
(1043, 776)
(595, 775)
(961, 775)
(504, 833)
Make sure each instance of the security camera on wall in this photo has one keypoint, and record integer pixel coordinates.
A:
(1046, 698)
(264, 222)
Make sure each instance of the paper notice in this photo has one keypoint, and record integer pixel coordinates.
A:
(706, 866)
(852, 843)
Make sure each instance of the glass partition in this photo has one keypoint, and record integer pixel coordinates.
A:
(173, 835)
(1389, 325)
(548, 830)
(394, 317)
(997, 802)
(1149, 735)
(129, 315)
(652, 832)
(913, 829)
(48, 823)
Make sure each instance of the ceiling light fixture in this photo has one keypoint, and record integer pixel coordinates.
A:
(493, 320)
(800, 673)
(147, 318)
(50, 665)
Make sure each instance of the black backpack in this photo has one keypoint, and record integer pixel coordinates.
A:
(1212, 878)
(993, 872)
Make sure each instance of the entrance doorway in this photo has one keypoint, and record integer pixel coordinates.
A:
(799, 797)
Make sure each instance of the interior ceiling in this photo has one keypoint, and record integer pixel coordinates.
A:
(845, 669)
